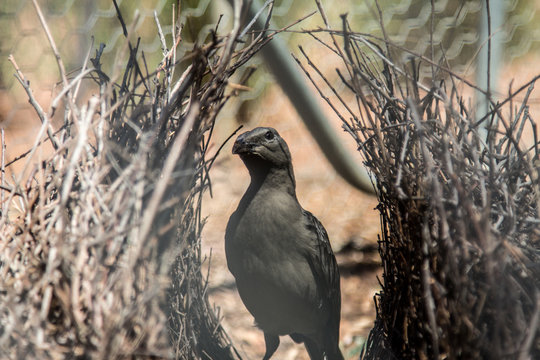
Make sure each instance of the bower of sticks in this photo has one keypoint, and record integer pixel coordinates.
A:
(100, 250)
(459, 201)
(100, 253)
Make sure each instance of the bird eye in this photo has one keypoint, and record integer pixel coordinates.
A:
(269, 135)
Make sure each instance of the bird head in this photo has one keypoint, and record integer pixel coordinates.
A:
(263, 144)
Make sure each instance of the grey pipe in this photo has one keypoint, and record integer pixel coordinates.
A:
(278, 59)
(489, 84)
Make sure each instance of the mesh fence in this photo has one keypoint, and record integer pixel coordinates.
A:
(75, 23)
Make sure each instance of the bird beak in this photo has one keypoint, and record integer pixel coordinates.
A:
(241, 146)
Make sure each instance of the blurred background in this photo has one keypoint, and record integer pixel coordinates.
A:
(348, 214)
(75, 23)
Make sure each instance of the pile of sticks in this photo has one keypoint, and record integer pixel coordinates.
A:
(100, 240)
(459, 202)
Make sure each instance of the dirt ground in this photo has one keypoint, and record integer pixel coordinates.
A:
(348, 215)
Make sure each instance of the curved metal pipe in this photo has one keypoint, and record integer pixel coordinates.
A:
(289, 77)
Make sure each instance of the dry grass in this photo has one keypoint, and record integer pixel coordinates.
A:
(459, 207)
(100, 254)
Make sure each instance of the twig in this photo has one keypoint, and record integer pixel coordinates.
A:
(250, 24)
(213, 159)
(39, 110)
(168, 168)
(65, 90)
(82, 138)
(390, 44)
(52, 43)
(395, 67)
(10, 190)
(319, 90)
(332, 88)
(428, 295)
(232, 38)
(3, 139)
(83, 68)
(488, 14)
(532, 330)
(164, 49)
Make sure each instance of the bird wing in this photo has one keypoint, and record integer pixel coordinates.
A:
(324, 266)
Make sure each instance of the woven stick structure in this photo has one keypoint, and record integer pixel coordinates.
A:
(100, 245)
(460, 224)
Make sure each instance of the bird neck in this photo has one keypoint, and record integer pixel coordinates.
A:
(265, 176)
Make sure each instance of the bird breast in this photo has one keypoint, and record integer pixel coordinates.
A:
(269, 227)
(269, 256)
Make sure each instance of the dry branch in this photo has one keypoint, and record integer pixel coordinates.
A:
(459, 213)
(103, 259)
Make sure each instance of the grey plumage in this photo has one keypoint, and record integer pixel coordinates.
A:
(280, 255)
